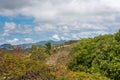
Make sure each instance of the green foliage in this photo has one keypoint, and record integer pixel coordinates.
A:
(11, 67)
(117, 36)
(23, 67)
(37, 70)
(93, 59)
(48, 47)
(37, 53)
(81, 76)
(70, 42)
(97, 55)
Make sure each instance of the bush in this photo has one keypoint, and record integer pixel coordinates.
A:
(18, 67)
(97, 55)
(81, 76)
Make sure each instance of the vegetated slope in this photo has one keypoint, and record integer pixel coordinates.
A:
(58, 62)
(60, 53)
(39, 64)
(60, 56)
(97, 55)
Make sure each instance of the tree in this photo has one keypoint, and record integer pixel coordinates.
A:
(37, 53)
(48, 47)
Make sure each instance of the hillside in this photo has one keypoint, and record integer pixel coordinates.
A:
(95, 58)
(100, 54)
(59, 60)
(42, 63)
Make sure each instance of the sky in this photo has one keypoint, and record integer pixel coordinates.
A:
(29, 21)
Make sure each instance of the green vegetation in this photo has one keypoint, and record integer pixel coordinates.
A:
(81, 76)
(48, 47)
(13, 67)
(95, 58)
(97, 55)
(37, 53)
(32, 66)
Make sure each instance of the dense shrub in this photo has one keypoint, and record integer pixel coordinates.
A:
(97, 55)
(20, 67)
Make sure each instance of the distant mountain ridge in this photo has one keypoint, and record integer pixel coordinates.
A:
(26, 46)
(4, 46)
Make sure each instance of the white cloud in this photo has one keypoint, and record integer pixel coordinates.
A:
(70, 19)
(9, 26)
(16, 41)
(56, 37)
(61, 11)
(12, 28)
(5, 34)
(87, 34)
(45, 28)
(13, 41)
(28, 40)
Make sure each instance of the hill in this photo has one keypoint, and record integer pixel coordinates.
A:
(4, 46)
(100, 54)
(95, 58)
(45, 63)
(27, 46)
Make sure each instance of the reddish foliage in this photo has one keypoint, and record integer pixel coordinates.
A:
(18, 51)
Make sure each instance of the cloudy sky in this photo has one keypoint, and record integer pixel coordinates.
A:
(26, 21)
